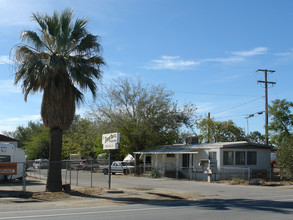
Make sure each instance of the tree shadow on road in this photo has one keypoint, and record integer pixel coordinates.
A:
(246, 204)
(285, 207)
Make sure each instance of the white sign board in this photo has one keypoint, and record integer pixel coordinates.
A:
(110, 146)
(110, 141)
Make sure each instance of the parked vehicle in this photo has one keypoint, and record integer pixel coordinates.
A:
(88, 165)
(9, 153)
(41, 164)
(118, 167)
(73, 162)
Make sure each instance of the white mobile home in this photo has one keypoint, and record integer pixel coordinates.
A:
(201, 161)
(12, 159)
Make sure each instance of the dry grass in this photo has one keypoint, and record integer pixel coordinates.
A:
(126, 195)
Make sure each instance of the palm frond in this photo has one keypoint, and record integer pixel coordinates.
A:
(79, 30)
(89, 42)
(65, 22)
(53, 24)
(79, 97)
(33, 38)
(40, 20)
(96, 61)
(66, 28)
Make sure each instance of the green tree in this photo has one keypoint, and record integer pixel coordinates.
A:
(281, 126)
(285, 158)
(256, 137)
(217, 131)
(144, 115)
(38, 145)
(61, 60)
(24, 134)
(281, 121)
(82, 137)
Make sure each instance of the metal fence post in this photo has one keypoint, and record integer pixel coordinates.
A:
(70, 173)
(77, 177)
(23, 178)
(65, 172)
(91, 173)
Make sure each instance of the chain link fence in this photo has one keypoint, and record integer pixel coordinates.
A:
(85, 173)
(201, 174)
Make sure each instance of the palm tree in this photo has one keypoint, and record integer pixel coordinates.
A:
(62, 60)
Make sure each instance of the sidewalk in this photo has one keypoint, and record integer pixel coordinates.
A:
(12, 193)
(17, 188)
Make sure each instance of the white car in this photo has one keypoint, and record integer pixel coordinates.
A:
(119, 167)
(41, 164)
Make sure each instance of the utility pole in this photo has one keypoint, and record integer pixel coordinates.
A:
(209, 124)
(266, 82)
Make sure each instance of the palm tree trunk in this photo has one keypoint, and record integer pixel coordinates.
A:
(54, 180)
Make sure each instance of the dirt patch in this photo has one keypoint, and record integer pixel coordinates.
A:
(235, 181)
(50, 196)
(85, 195)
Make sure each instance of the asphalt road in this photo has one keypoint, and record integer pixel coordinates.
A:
(220, 201)
(204, 209)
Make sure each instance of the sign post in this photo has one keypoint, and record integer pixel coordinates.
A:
(109, 172)
(110, 142)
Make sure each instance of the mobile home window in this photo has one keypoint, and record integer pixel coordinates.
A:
(213, 155)
(185, 160)
(228, 157)
(148, 159)
(4, 158)
(251, 157)
(240, 157)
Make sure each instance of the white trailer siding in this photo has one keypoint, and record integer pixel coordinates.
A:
(15, 155)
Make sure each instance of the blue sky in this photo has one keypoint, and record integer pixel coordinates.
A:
(206, 52)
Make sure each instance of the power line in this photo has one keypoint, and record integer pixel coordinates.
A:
(213, 94)
(233, 116)
(242, 115)
(238, 105)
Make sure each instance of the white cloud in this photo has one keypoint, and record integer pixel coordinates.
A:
(233, 59)
(175, 63)
(250, 53)
(5, 60)
(22, 118)
(285, 54)
(10, 124)
(7, 86)
(121, 74)
(171, 63)
(18, 12)
(238, 56)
